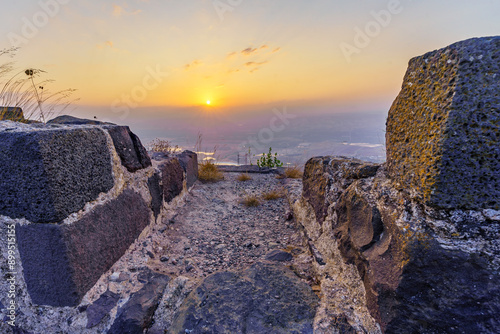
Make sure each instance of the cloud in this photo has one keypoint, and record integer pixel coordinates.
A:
(248, 51)
(253, 63)
(251, 51)
(192, 64)
(121, 11)
(107, 44)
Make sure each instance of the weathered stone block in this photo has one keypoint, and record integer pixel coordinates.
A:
(62, 262)
(71, 120)
(11, 114)
(443, 129)
(156, 191)
(189, 162)
(129, 147)
(264, 298)
(47, 174)
(413, 284)
(172, 176)
(137, 314)
(326, 177)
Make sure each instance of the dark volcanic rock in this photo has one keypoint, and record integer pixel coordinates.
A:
(189, 162)
(279, 256)
(446, 291)
(101, 307)
(412, 283)
(251, 169)
(156, 191)
(443, 128)
(326, 177)
(128, 146)
(66, 119)
(172, 176)
(137, 314)
(46, 175)
(262, 299)
(62, 262)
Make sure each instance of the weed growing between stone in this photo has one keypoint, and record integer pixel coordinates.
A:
(207, 169)
(208, 172)
(244, 177)
(25, 90)
(273, 195)
(250, 201)
(291, 173)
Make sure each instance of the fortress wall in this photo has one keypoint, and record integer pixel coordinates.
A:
(79, 196)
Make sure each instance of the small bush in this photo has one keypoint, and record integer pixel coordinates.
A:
(268, 160)
(251, 201)
(291, 173)
(244, 177)
(163, 146)
(208, 172)
(272, 195)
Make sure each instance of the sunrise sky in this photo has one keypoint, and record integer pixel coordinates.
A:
(235, 53)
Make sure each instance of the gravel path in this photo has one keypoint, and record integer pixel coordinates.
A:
(214, 231)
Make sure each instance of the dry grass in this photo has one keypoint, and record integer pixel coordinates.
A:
(244, 177)
(273, 195)
(250, 201)
(291, 173)
(164, 146)
(208, 172)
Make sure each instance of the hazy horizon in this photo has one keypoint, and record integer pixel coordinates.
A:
(174, 69)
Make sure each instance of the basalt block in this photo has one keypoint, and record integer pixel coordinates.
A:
(70, 120)
(326, 177)
(265, 298)
(189, 162)
(137, 314)
(443, 129)
(172, 176)
(48, 173)
(62, 262)
(12, 114)
(129, 147)
(156, 191)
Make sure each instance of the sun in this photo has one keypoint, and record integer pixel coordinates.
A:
(208, 102)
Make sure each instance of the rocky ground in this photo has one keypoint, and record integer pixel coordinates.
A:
(213, 231)
(207, 230)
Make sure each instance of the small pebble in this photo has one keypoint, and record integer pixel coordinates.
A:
(114, 277)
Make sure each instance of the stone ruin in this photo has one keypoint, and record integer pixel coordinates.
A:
(80, 195)
(443, 128)
(418, 237)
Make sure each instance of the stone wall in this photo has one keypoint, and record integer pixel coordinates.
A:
(79, 196)
(443, 129)
(411, 246)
